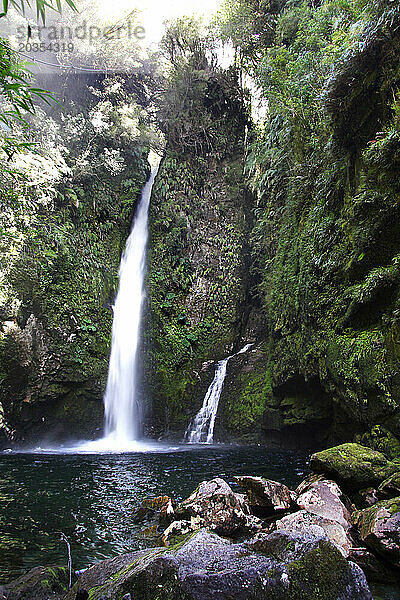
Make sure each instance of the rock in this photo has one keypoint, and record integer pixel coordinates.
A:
(286, 545)
(167, 513)
(303, 520)
(178, 528)
(207, 567)
(149, 533)
(391, 486)
(324, 498)
(379, 528)
(265, 496)
(157, 503)
(375, 570)
(41, 583)
(150, 506)
(354, 466)
(366, 498)
(218, 508)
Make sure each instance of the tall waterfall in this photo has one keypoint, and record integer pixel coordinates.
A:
(122, 407)
(202, 428)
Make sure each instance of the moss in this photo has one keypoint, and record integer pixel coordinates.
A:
(196, 278)
(353, 465)
(321, 574)
(368, 519)
(381, 439)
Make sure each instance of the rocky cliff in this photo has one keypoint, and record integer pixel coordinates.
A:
(64, 223)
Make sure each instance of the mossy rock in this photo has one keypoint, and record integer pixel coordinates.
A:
(290, 565)
(41, 583)
(381, 439)
(379, 528)
(355, 467)
(391, 485)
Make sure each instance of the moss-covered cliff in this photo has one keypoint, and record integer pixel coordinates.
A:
(325, 243)
(64, 223)
(321, 290)
(199, 256)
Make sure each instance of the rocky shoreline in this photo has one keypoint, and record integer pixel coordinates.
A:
(326, 540)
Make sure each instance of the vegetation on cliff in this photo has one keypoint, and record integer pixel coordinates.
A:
(283, 230)
(324, 166)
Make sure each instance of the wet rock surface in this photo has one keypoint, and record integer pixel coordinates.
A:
(207, 567)
(391, 486)
(41, 583)
(264, 495)
(379, 529)
(217, 507)
(306, 521)
(324, 498)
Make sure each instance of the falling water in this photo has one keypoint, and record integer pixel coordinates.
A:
(121, 402)
(202, 428)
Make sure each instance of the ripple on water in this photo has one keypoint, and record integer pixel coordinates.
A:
(90, 497)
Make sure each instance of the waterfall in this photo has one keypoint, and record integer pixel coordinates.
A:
(122, 419)
(202, 428)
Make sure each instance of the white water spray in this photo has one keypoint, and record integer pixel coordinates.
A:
(202, 428)
(122, 407)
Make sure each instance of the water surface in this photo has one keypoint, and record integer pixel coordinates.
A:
(90, 497)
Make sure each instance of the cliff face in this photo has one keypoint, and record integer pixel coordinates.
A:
(199, 257)
(62, 233)
(197, 281)
(325, 248)
(321, 289)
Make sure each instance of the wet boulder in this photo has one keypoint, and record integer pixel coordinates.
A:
(150, 507)
(303, 521)
(355, 467)
(325, 499)
(208, 567)
(266, 497)
(391, 486)
(217, 507)
(179, 528)
(41, 583)
(379, 529)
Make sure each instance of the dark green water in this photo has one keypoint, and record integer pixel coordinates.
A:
(90, 498)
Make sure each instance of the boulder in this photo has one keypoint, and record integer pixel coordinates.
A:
(355, 467)
(163, 505)
(218, 508)
(265, 496)
(391, 486)
(304, 521)
(41, 583)
(376, 570)
(366, 498)
(179, 528)
(324, 498)
(379, 528)
(208, 567)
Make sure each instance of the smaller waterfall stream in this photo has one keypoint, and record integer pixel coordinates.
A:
(202, 428)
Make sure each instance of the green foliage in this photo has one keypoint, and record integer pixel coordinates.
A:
(18, 95)
(195, 278)
(40, 5)
(63, 225)
(201, 108)
(18, 99)
(324, 164)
